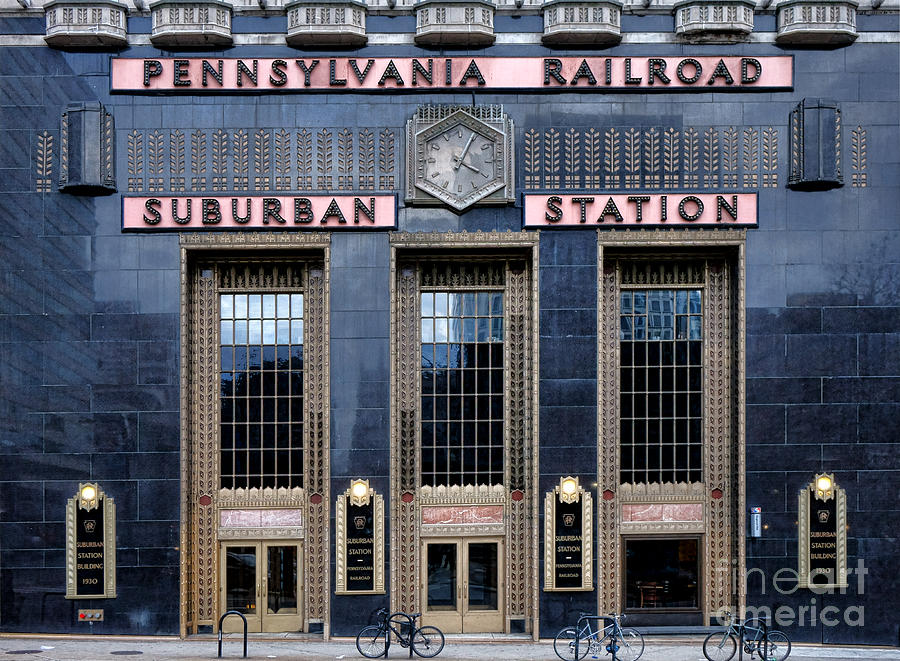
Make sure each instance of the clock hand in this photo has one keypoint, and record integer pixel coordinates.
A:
(471, 167)
(459, 159)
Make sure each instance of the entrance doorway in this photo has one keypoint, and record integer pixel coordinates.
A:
(261, 580)
(463, 591)
(662, 580)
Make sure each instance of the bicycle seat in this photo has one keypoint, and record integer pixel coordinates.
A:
(415, 615)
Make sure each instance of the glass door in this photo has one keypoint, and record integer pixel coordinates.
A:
(463, 591)
(261, 580)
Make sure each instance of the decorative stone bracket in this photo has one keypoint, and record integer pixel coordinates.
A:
(454, 23)
(85, 23)
(326, 23)
(180, 23)
(582, 23)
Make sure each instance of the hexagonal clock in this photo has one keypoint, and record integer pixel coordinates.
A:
(460, 156)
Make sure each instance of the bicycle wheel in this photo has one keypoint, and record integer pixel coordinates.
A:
(564, 645)
(631, 645)
(371, 642)
(428, 641)
(779, 647)
(719, 646)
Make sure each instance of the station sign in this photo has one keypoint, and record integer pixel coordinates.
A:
(90, 544)
(615, 210)
(449, 74)
(253, 212)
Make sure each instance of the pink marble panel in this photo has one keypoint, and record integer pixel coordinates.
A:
(433, 515)
(273, 518)
(665, 512)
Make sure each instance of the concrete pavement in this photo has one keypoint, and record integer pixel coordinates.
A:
(107, 648)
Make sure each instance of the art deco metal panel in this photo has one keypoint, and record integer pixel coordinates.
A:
(341, 535)
(209, 264)
(511, 267)
(673, 258)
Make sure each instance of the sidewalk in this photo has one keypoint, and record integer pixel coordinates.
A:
(108, 648)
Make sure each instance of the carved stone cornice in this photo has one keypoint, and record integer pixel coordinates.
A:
(456, 495)
(304, 240)
(267, 497)
(190, 23)
(672, 238)
(84, 23)
(667, 492)
(817, 22)
(326, 23)
(582, 22)
(454, 23)
(463, 239)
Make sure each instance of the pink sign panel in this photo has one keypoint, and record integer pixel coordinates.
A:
(434, 515)
(604, 210)
(312, 212)
(336, 74)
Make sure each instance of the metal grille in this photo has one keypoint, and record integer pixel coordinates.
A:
(661, 376)
(261, 381)
(462, 388)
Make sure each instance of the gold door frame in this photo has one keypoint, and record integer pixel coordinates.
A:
(201, 497)
(721, 494)
(518, 495)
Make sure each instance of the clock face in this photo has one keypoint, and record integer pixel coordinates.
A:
(460, 162)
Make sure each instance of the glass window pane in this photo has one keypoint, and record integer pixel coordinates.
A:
(440, 304)
(255, 306)
(240, 306)
(427, 330)
(427, 305)
(296, 305)
(497, 305)
(227, 332)
(695, 302)
(484, 304)
(296, 332)
(268, 331)
(497, 329)
(681, 306)
(640, 302)
(469, 305)
(227, 306)
(284, 306)
(240, 332)
(254, 327)
(625, 302)
(484, 329)
(469, 330)
(440, 330)
(269, 306)
(284, 332)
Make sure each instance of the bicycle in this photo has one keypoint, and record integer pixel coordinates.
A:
(574, 643)
(374, 640)
(756, 638)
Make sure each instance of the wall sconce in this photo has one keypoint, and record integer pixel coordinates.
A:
(825, 486)
(568, 490)
(87, 496)
(359, 492)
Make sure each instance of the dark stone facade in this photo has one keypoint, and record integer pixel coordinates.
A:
(89, 323)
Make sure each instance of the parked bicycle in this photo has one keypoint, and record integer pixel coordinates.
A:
(755, 636)
(574, 643)
(375, 640)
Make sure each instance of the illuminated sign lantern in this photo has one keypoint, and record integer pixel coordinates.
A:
(823, 534)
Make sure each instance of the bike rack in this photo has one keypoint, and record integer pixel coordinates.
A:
(240, 615)
(578, 628)
(764, 651)
(409, 636)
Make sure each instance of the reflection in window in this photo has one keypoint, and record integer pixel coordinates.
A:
(261, 381)
(661, 573)
(462, 388)
(661, 351)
